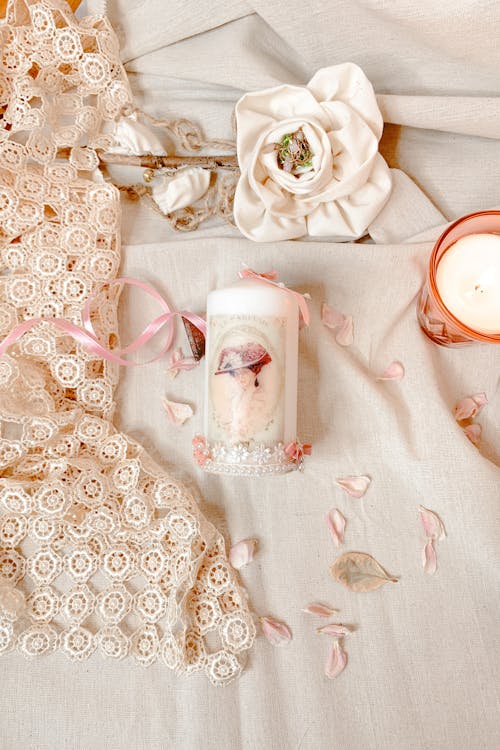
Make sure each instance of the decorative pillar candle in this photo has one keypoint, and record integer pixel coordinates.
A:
(460, 302)
(250, 422)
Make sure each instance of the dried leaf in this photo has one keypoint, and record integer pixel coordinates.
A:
(394, 371)
(275, 631)
(473, 432)
(470, 406)
(336, 523)
(354, 486)
(335, 630)
(242, 553)
(429, 559)
(179, 362)
(433, 526)
(336, 661)
(331, 317)
(319, 609)
(177, 413)
(345, 334)
(359, 572)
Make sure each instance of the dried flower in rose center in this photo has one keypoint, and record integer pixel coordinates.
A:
(294, 153)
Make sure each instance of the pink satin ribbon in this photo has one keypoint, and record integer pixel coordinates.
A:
(87, 337)
(270, 278)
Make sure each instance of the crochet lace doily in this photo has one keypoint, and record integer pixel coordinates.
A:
(100, 549)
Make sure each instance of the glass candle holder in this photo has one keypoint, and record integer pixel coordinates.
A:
(435, 318)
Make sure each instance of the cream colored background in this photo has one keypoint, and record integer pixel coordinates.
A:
(423, 663)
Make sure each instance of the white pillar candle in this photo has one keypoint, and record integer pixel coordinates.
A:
(251, 378)
(468, 281)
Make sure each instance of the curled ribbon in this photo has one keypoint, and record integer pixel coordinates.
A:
(270, 278)
(88, 337)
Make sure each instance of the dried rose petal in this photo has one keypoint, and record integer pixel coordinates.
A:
(177, 413)
(473, 432)
(179, 362)
(429, 559)
(335, 630)
(336, 661)
(275, 631)
(336, 523)
(345, 334)
(242, 553)
(319, 609)
(354, 486)
(470, 406)
(331, 317)
(433, 526)
(394, 371)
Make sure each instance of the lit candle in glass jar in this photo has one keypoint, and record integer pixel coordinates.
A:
(468, 280)
(250, 422)
(459, 303)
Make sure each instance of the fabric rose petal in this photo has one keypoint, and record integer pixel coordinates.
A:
(344, 182)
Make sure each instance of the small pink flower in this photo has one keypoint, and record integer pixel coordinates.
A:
(297, 450)
(201, 452)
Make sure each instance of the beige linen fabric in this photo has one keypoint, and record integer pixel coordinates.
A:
(423, 662)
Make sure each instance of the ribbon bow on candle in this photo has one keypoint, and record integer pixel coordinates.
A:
(269, 278)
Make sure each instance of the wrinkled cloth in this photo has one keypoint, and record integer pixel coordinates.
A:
(423, 661)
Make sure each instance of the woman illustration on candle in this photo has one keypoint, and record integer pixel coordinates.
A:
(244, 394)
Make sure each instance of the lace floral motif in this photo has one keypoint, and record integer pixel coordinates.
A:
(99, 548)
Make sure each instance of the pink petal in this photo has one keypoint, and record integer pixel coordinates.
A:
(336, 523)
(429, 559)
(481, 399)
(345, 334)
(335, 661)
(275, 631)
(242, 553)
(330, 317)
(394, 371)
(473, 432)
(319, 609)
(354, 486)
(177, 413)
(433, 526)
(335, 630)
(179, 362)
(470, 406)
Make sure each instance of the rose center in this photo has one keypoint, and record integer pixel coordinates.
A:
(294, 153)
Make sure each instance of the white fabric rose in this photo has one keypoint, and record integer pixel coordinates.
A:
(347, 181)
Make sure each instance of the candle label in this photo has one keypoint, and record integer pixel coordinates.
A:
(246, 378)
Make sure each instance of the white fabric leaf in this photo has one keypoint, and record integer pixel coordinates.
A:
(132, 137)
(171, 193)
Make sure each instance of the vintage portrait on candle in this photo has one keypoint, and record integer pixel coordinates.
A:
(246, 380)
